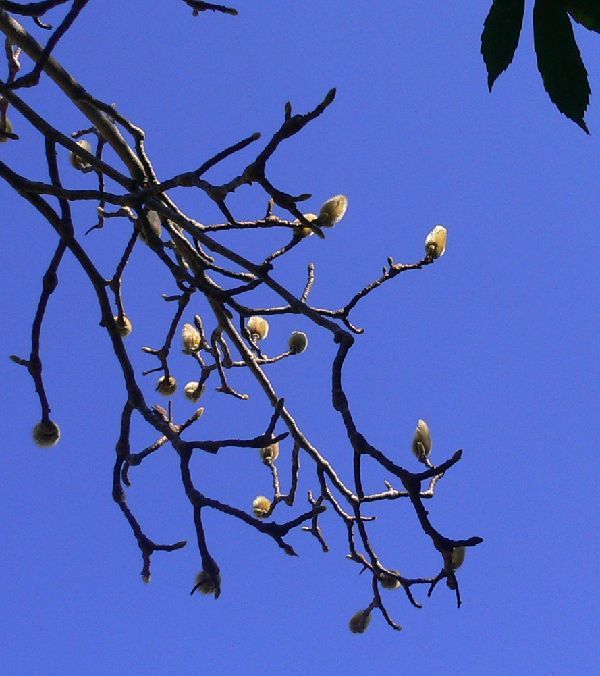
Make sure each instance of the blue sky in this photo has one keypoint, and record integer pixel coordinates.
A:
(493, 346)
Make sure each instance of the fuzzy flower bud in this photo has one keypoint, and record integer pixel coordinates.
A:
(191, 339)
(166, 386)
(124, 325)
(298, 342)
(421, 443)
(192, 390)
(77, 161)
(258, 327)
(270, 453)
(303, 230)
(205, 584)
(435, 243)
(388, 581)
(360, 621)
(333, 211)
(46, 433)
(154, 225)
(6, 127)
(261, 506)
(458, 556)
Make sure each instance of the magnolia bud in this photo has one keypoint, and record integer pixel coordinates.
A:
(261, 506)
(303, 230)
(360, 621)
(333, 211)
(205, 584)
(191, 339)
(298, 342)
(193, 391)
(46, 433)
(435, 243)
(458, 556)
(421, 443)
(153, 223)
(124, 325)
(258, 327)
(146, 579)
(77, 161)
(6, 127)
(388, 581)
(166, 386)
(270, 453)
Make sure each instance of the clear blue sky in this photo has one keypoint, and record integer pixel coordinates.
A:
(493, 346)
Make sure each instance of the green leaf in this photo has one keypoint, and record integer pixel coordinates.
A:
(500, 37)
(585, 12)
(559, 62)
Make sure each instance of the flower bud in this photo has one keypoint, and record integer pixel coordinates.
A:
(303, 230)
(360, 621)
(154, 225)
(333, 211)
(146, 579)
(124, 325)
(77, 161)
(46, 433)
(261, 506)
(205, 584)
(6, 127)
(458, 556)
(258, 327)
(298, 342)
(388, 581)
(192, 390)
(435, 243)
(191, 339)
(270, 453)
(421, 443)
(166, 386)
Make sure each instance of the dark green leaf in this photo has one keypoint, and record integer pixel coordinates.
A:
(585, 12)
(500, 36)
(559, 62)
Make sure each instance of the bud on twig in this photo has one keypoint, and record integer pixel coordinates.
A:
(77, 161)
(360, 621)
(258, 327)
(46, 433)
(191, 339)
(333, 211)
(6, 127)
(270, 453)
(205, 584)
(166, 386)
(261, 506)
(193, 391)
(298, 342)
(124, 325)
(435, 243)
(421, 444)
(458, 556)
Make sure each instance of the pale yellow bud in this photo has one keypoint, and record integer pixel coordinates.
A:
(458, 556)
(388, 581)
(192, 390)
(166, 386)
(191, 339)
(270, 453)
(46, 433)
(303, 230)
(258, 327)
(298, 342)
(6, 127)
(261, 506)
(124, 325)
(78, 162)
(421, 443)
(360, 621)
(205, 584)
(333, 211)
(435, 243)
